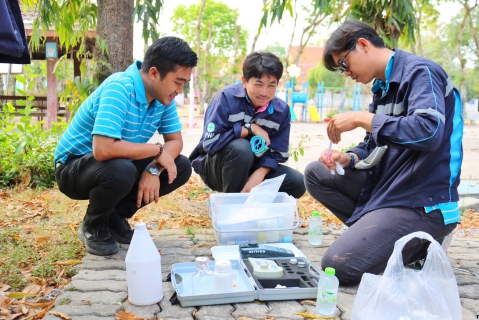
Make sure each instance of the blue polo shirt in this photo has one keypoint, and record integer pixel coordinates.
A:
(118, 109)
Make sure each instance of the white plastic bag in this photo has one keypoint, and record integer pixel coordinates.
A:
(266, 191)
(407, 294)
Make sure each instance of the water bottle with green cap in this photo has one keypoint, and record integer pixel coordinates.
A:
(327, 299)
(315, 233)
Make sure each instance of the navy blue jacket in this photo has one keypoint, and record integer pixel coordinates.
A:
(420, 120)
(13, 42)
(228, 112)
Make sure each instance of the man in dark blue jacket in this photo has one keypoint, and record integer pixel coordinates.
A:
(403, 177)
(224, 158)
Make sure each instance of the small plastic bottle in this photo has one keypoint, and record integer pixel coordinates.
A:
(223, 276)
(327, 293)
(315, 233)
(143, 269)
(202, 281)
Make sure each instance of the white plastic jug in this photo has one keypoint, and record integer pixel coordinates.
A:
(143, 269)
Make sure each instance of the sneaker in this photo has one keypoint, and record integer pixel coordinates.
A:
(97, 240)
(119, 228)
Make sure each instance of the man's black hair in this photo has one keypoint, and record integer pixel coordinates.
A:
(168, 54)
(258, 64)
(345, 37)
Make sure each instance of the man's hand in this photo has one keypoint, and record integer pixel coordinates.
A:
(348, 121)
(255, 179)
(258, 131)
(148, 189)
(336, 156)
(167, 162)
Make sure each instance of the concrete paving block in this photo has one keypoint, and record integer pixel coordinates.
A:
(169, 260)
(345, 305)
(77, 298)
(459, 250)
(88, 286)
(464, 242)
(349, 289)
(216, 312)
(468, 314)
(469, 291)
(469, 203)
(94, 275)
(300, 231)
(467, 264)
(464, 256)
(470, 304)
(52, 317)
(463, 279)
(176, 251)
(120, 255)
(95, 310)
(102, 265)
(285, 309)
(253, 310)
(148, 312)
(176, 311)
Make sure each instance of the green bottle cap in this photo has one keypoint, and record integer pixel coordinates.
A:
(330, 271)
(315, 214)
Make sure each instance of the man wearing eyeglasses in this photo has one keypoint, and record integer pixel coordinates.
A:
(404, 176)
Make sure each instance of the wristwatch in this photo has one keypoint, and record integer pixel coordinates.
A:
(153, 170)
(248, 127)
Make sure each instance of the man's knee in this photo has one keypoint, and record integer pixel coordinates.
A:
(296, 186)
(346, 272)
(239, 150)
(184, 170)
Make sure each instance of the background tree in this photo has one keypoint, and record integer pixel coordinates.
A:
(390, 18)
(218, 33)
(319, 74)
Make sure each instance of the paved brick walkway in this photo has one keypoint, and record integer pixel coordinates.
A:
(99, 289)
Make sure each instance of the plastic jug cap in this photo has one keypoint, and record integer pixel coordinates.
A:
(330, 271)
(140, 226)
(223, 266)
(315, 214)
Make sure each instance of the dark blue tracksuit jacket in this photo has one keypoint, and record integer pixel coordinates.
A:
(228, 112)
(419, 118)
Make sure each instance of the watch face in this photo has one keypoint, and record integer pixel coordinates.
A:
(154, 170)
(247, 125)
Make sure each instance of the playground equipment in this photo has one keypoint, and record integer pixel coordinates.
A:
(325, 98)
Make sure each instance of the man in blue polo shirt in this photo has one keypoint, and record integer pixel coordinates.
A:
(224, 158)
(104, 157)
(404, 176)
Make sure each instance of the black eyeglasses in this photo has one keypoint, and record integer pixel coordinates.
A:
(343, 67)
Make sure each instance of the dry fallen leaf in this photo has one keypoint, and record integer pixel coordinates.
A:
(19, 295)
(310, 316)
(123, 315)
(87, 302)
(67, 263)
(198, 246)
(47, 196)
(43, 239)
(60, 314)
(310, 302)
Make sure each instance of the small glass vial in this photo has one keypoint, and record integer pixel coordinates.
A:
(223, 277)
(202, 281)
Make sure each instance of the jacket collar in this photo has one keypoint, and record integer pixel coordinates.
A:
(240, 92)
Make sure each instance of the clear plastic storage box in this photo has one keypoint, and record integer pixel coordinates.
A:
(235, 222)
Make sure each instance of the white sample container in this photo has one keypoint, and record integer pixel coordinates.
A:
(223, 277)
(143, 269)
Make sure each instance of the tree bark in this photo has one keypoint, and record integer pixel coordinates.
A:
(257, 34)
(196, 81)
(115, 28)
(462, 61)
(206, 69)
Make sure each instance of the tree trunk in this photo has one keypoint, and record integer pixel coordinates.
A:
(418, 50)
(1, 85)
(235, 62)
(115, 28)
(206, 69)
(286, 60)
(257, 34)
(196, 82)
(462, 61)
(308, 32)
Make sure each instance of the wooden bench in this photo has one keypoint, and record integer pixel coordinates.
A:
(39, 104)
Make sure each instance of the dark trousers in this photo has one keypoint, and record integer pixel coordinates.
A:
(112, 185)
(367, 245)
(228, 170)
